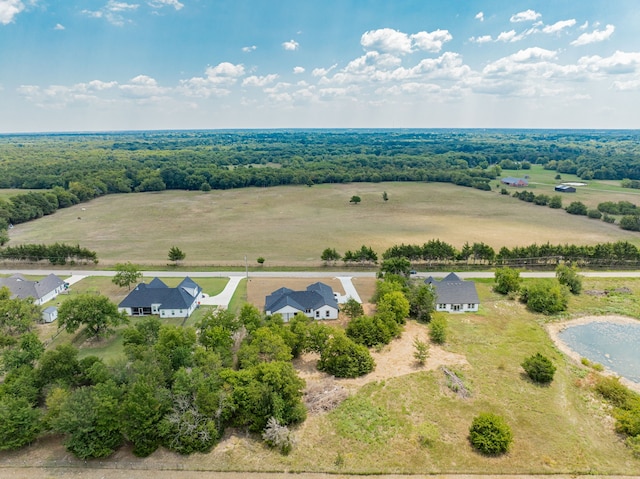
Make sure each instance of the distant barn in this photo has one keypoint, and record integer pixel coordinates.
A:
(511, 181)
(565, 189)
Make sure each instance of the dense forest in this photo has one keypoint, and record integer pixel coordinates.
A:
(74, 168)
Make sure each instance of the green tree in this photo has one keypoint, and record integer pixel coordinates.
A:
(19, 422)
(385, 196)
(547, 297)
(507, 280)
(539, 368)
(126, 275)
(352, 308)
(59, 366)
(97, 313)
(555, 202)
(260, 260)
(344, 358)
(355, 199)
(438, 329)
(263, 345)
(396, 266)
(89, 418)
(371, 330)
(176, 254)
(577, 208)
(420, 350)
(330, 255)
(395, 303)
(422, 302)
(490, 434)
(568, 275)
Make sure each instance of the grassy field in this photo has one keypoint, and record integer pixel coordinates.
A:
(292, 225)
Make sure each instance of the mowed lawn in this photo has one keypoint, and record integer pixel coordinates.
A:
(292, 225)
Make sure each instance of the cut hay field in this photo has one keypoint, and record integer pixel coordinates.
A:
(292, 225)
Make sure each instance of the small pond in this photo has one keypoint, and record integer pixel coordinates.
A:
(615, 346)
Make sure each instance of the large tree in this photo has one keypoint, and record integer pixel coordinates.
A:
(97, 313)
(176, 254)
(126, 274)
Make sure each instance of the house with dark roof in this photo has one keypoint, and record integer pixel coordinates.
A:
(158, 298)
(41, 291)
(454, 295)
(317, 301)
(511, 181)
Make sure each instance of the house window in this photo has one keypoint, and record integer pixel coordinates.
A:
(327, 313)
(173, 313)
(317, 314)
(308, 311)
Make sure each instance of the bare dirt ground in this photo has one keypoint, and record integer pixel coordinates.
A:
(554, 330)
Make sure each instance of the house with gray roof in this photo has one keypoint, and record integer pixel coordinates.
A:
(158, 298)
(454, 295)
(41, 291)
(317, 301)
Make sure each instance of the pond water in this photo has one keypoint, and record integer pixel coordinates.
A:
(615, 346)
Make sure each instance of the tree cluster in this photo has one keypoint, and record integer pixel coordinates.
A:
(56, 253)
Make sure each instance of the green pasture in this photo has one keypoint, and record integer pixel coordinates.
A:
(292, 225)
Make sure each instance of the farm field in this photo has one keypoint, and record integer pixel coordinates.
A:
(292, 225)
(409, 419)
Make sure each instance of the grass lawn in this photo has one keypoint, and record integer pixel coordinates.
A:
(292, 225)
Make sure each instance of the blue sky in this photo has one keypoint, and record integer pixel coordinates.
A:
(91, 65)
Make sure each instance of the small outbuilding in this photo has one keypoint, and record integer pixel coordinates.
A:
(565, 189)
(511, 181)
(454, 295)
(49, 314)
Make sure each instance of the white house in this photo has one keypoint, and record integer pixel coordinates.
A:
(41, 291)
(454, 294)
(157, 298)
(317, 302)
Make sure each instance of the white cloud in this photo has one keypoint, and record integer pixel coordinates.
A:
(616, 64)
(259, 81)
(225, 72)
(585, 25)
(509, 36)
(480, 16)
(595, 36)
(249, 49)
(143, 87)
(58, 26)
(113, 12)
(320, 72)
(388, 40)
(165, 3)
(630, 85)
(482, 39)
(216, 81)
(291, 45)
(298, 70)
(559, 26)
(526, 16)
(9, 9)
(431, 42)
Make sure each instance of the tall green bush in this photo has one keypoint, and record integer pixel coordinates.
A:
(490, 434)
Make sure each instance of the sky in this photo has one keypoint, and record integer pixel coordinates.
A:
(96, 65)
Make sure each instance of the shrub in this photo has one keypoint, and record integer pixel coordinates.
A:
(568, 275)
(490, 434)
(421, 351)
(438, 329)
(507, 280)
(278, 436)
(616, 393)
(370, 330)
(555, 202)
(547, 297)
(594, 214)
(343, 358)
(577, 208)
(539, 368)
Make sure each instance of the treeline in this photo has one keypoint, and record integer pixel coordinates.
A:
(56, 253)
(438, 253)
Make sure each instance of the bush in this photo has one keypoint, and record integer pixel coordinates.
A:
(539, 368)
(594, 214)
(547, 297)
(438, 329)
(616, 393)
(577, 208)
(490, 434)
(568, 276)
(278, 436)
(343, 358)
(507, 280)
(371, 330)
